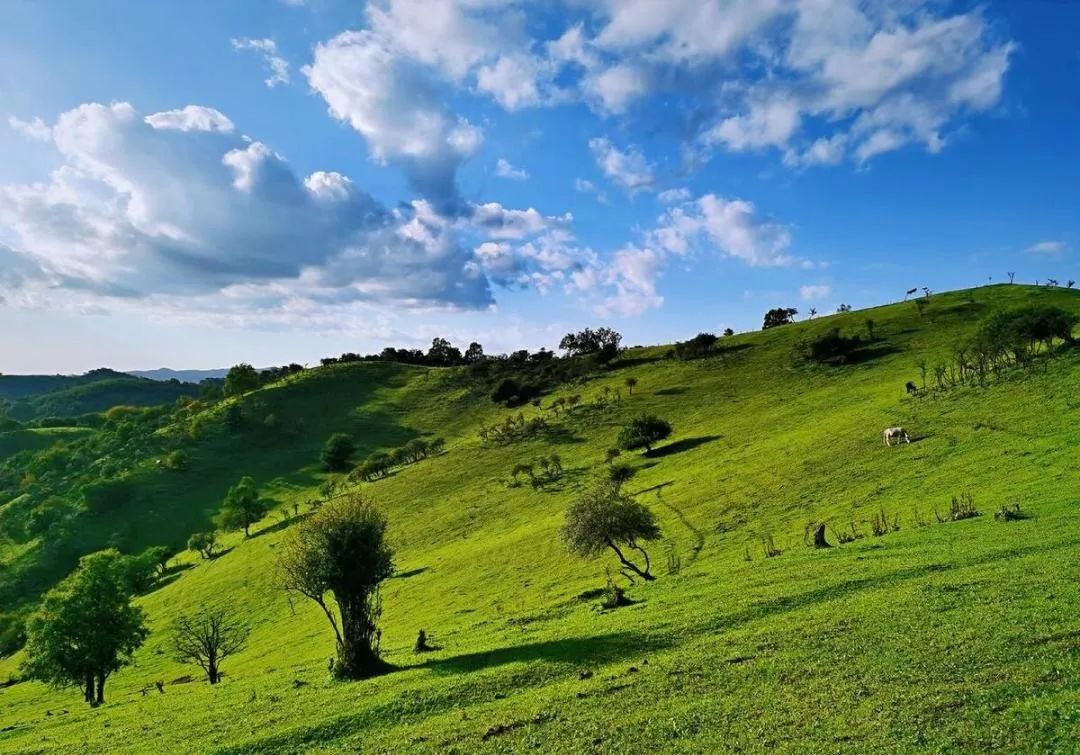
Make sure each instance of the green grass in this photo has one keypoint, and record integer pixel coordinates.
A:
(37, 438)
(950, 637)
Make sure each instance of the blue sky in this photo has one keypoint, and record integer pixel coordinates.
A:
(197, 185)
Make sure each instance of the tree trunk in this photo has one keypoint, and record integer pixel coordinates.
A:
(88, 689)
(357, 657)
(631, 565)
(212, 672)
(819, 537)
(100, 697)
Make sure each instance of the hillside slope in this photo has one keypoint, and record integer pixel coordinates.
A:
(946, 637)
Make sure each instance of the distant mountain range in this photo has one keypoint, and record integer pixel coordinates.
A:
(184, 376)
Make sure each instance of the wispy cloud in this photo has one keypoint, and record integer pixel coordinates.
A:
(277, 65)
(1050, 247)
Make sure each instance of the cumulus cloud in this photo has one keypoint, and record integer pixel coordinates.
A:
(628, 168)
(707, 225)
(277, 65)
(503, 169)
(177, 205)
(396, 107)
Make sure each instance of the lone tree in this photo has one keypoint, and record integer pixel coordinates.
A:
(342, 551)
(643, 432)
(242, 507)
(240, 379)
(604, 342)
(779, 316)
(86, 628)
(338, 450)
(605, 517)
(208, 638)
(204, 543)
(630, 383)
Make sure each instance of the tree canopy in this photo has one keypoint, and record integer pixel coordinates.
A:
(337, 452)
(342, 551)
(86, 628)
(240, 379)
(779, 316)
(242, 507)
(606, 517)
(643, 432)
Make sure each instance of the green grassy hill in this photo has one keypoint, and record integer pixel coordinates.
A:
(958, 636)
(34, 397)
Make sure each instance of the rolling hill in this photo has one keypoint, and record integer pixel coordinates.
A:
(33, 397)
(933, 636)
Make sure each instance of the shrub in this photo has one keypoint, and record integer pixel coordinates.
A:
(1010, 513)
(699, 346)
(336, 453)
(176, 460)
(204, 543)
(960, 507)
(644, 432)
(829, 347)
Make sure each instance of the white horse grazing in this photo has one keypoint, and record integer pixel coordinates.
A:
(899, 434)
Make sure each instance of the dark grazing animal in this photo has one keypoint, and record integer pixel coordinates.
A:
(911, 389)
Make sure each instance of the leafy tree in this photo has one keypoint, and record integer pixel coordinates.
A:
(242, 507)
(605, 517)
(604, 342)
(204, 543)
(728, 332)
(697, 347)
(643, 432)
(828, 347)
(779, 316)
(207, 638)
(443, 354)
(611, 455)
(86, 628)
(812, 313)
(630, 383)
(342, 551)
(474, 354)
(336, 453)
(234, 417)
(843, 308)
(240, 379)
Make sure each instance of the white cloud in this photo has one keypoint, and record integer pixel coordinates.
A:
(503, 169)
(191, 118)
(615, 87)
(500, 222)
(584, 186)
(396, 107)
(182, 212)
(1048, 247)
(815, 292)
(36, 130)
(627, 168)
(674, 196)
(277, 65)
(729, 226)
(627, 283)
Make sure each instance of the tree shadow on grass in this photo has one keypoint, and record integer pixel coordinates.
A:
(676, 391)
(686, 444)
(596, 650)
(410, 573)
